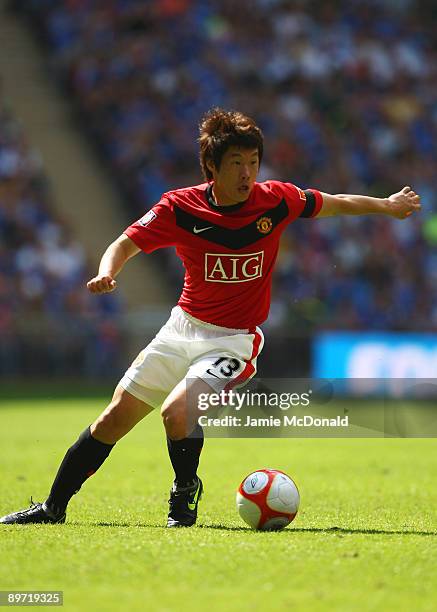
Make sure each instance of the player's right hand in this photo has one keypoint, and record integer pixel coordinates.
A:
(102, 283)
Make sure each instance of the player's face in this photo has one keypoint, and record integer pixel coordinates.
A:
(235, 178)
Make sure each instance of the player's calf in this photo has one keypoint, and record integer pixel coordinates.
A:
(180, 412)
(121, 415)
(84, 458)
(184, 451)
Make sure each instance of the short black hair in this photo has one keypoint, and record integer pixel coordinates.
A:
(220, 129)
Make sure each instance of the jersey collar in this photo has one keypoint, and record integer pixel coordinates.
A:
(223, 209)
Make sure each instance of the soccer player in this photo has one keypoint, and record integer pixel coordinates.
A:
(226, 232)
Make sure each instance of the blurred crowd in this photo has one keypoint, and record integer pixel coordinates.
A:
(345, 92)
(43, 271)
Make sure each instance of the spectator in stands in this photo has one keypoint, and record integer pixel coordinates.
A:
(43, 272)
(345, 93)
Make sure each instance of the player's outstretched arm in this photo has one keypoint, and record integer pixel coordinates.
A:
(399, 205)
(112, 262)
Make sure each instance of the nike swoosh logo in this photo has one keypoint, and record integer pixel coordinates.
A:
(198, 230)
(192, 505)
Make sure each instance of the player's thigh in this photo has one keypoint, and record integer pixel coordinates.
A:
(201, 390)
(156, 371)
(121, 415)
(182, 407)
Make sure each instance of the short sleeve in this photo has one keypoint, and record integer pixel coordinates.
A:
(155, 229)
(302, 203)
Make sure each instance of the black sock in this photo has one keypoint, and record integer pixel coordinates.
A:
(185, 455)
(81, 461)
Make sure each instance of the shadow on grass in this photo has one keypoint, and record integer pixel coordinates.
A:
(329, 530)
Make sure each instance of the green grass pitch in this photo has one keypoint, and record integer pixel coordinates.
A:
(365, 537)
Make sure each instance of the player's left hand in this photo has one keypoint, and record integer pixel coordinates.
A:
(403, 203)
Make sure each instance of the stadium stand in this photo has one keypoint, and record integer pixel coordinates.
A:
(43, 269)
(345, 93)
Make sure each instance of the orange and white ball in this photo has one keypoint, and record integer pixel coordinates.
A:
(268, 500)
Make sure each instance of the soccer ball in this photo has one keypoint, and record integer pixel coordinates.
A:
(267, 500)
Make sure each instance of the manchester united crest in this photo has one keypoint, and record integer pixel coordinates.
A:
(264, 225)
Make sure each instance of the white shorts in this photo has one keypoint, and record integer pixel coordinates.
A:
(186, 348)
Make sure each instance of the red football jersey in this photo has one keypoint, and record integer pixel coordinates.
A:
(228, 251)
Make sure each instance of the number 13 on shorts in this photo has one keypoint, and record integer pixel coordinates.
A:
(225, 367)
(224, 372)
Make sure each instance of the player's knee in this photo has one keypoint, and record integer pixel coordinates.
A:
(174, 419)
